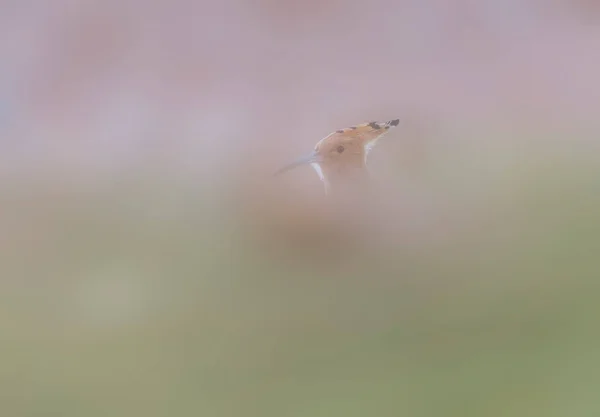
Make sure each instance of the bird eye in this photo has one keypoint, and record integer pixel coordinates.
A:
(340, 149)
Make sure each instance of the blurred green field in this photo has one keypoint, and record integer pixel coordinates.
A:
(142, 298)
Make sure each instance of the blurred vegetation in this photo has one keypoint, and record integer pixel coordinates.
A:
(135, 281)
(144, 298)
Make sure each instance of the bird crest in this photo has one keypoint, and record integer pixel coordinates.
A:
(342, 155)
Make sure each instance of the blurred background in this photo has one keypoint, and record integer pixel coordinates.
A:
(151, 266)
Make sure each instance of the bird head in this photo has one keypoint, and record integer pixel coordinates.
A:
(342, 155)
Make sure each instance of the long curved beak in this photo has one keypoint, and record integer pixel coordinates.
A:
(305, 160)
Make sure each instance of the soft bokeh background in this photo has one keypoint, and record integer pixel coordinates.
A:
(148, 262)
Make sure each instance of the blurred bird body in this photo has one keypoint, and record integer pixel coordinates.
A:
(343, 219)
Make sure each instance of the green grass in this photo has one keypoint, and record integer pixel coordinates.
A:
(138, 301)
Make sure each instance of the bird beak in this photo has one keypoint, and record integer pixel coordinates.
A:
(305, 160)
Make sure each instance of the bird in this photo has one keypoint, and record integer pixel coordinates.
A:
(349, 212)
(340, 158)
(326, 226)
